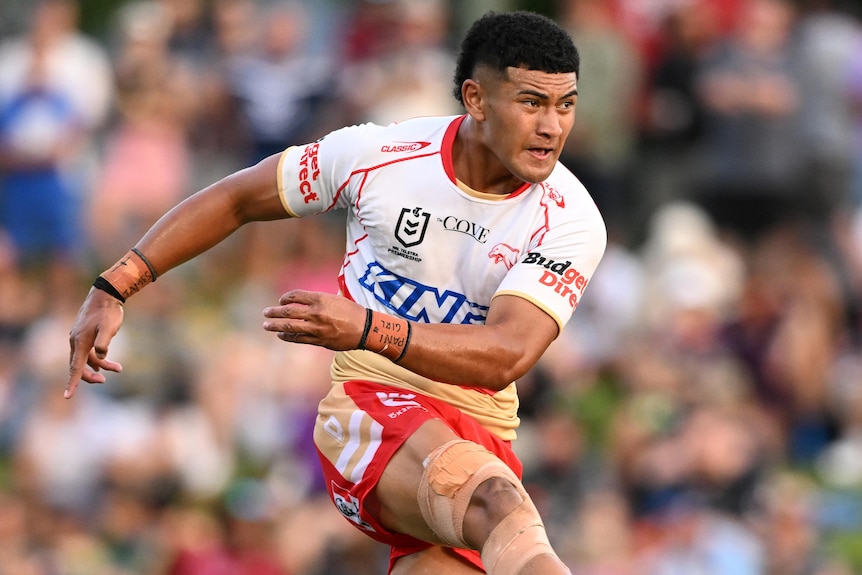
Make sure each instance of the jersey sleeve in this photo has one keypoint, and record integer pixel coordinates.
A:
(313, 178)
(555, 272)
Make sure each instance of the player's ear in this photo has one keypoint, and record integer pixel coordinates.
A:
(474, 99)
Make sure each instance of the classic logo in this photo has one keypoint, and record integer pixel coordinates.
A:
(474, 230)
(410, 230)
(348, 505)
(565, 280)
(418, 302)
(405, 147)
(504, 254)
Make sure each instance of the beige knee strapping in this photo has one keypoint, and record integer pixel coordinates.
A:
(452, 473)
(517, 539)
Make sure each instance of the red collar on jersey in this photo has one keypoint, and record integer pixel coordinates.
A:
(446, 154)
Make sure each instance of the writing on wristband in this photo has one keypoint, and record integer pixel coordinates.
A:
(131, 273)
(385, 334)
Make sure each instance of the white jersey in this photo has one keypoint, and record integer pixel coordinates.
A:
(423, 246)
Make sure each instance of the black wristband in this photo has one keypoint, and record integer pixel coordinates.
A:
(104, 285)
(368, 317)
(147, 262)
(406, 342)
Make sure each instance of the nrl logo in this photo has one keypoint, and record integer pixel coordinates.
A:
(410, 230)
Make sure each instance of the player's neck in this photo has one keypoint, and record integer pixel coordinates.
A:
(476, 165)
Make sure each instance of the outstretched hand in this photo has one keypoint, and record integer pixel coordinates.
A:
(98, 321)
(315, 318)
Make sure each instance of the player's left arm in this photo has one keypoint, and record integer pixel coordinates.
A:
(491, 356)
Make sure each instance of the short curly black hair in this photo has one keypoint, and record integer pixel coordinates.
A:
(518, 39)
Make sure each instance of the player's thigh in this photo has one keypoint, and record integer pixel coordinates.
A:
(433, 561)
(398, 487)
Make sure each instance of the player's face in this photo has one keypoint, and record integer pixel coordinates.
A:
(528, 116)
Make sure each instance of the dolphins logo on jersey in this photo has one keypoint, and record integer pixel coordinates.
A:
(504, 254)
(550, 198)
(552, 195)
(410, 230)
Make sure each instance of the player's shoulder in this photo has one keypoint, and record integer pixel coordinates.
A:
(564, 182)
(413, 136)
(564, 189)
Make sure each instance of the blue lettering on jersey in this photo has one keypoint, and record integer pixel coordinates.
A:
(417, 302)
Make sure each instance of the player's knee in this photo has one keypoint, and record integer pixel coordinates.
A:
(454, 473)
(471, 499)
(516, 540)
(498, 495)
(493, 500)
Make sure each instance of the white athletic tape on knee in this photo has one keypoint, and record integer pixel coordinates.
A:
(452, 474)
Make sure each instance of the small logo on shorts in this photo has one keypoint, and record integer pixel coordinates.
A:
(396, 399)
(334, 429)
(403, 401)
(348, 505)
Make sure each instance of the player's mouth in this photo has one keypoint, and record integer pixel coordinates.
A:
(541, 153)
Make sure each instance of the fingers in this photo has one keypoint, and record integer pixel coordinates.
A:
(294, 337)
(316, 318)
(283, 311)
(292, 310)
(299, 296)
(81, 374)
(90, 376)
(290, 322)
(103, 339)
(77, 360)
(98, 321)
(71, 386)
(80, 358)
(294, 327)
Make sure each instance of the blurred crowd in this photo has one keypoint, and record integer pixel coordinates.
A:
(701, 413)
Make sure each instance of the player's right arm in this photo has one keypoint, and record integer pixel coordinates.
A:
(189, 229)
